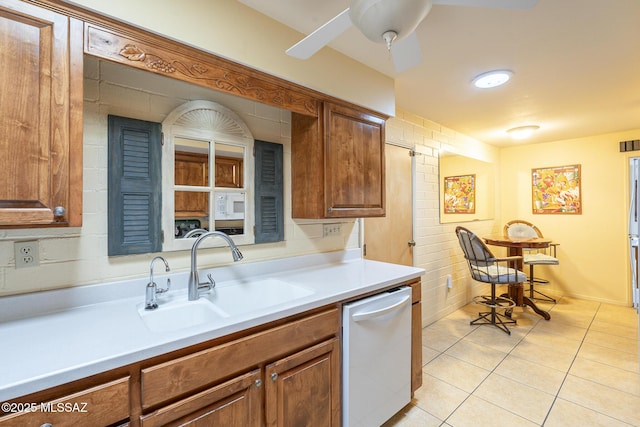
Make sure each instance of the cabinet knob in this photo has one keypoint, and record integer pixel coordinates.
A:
(258, 383)
(274, 376)
(59, 211)
(47, 425)
(411, 243)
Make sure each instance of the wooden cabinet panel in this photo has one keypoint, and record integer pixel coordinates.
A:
(234, 403)
(304, 389)
(191, 169)
(102, 405)
(354, 153)
(338, 164)
(416, 346)
(416, 335)
(40, 117)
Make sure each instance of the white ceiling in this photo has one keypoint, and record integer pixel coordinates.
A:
(576, 65)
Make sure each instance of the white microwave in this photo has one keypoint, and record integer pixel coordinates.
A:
(230, 205)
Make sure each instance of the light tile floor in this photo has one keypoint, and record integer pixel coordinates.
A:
(578, 369)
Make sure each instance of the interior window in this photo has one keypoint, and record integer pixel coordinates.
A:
(206, 148)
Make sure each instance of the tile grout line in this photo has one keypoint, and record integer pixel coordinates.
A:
(490, 372)
(555, 398)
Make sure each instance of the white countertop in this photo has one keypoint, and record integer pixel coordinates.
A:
(54, 337)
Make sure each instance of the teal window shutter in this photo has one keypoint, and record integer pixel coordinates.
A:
(269, 206)
(135, 186)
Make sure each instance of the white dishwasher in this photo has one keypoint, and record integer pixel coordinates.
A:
(376, 357)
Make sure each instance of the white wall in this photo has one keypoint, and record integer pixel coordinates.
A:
(593, 250)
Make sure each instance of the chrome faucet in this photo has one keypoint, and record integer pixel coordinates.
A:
(194, 281)
(152, 290)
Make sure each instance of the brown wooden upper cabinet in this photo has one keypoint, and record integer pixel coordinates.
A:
(191, 169)
(40, 117)
(338, 164)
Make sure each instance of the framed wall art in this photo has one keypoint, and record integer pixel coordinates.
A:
(556, 190)
(460, 194)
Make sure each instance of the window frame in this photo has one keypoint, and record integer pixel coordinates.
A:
(230, 130)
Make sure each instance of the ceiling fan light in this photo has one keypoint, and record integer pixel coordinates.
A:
(376, 17)
(492, 79)
(522, 132)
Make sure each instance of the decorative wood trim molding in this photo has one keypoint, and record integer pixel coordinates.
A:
(211, 73)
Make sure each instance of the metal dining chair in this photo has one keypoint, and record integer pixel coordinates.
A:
(533, 257)
(486, 268)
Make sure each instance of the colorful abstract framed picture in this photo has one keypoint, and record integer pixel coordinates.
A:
(556, 190)
(460, 194)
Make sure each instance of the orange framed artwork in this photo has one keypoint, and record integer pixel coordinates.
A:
(460, 194)
(556, 190)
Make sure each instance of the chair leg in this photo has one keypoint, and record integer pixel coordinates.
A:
(493, 317)
(532, 291)
(545, 297)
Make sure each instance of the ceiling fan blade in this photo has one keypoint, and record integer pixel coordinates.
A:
(498, 4)
(406, 53)
(315, 41)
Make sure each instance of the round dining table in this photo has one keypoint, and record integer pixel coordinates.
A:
(515, 246)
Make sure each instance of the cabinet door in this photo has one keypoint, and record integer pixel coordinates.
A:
(191, 169)
(304, 389)
(237, 402)
(40, 117)
(354, 156)
(228, 172)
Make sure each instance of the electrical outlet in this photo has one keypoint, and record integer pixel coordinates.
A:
(331, 230)
(26, 254)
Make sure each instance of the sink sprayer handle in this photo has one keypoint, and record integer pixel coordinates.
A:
(207, 286)
(163, 290)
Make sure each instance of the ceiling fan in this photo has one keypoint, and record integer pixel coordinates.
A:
(392, 22)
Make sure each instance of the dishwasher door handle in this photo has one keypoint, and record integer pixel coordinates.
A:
(380, 312)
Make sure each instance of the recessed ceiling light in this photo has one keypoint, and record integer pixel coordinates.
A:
(491, 79)
(522, 132)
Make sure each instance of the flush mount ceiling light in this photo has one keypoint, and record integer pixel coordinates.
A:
(522, 132)
(492, 79)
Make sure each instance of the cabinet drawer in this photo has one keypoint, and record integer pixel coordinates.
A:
(175, 378)
(104, 404)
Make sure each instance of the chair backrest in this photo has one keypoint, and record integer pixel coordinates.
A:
(521, 228)
(483, 265)
(474, 249)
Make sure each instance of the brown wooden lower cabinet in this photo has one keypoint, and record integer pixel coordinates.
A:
(301, 389)
(101, 405)
(287, 373)
(304, 389)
